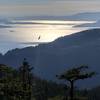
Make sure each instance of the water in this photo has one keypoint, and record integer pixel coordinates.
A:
(22, 33)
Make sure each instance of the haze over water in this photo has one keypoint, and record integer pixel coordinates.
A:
(17, 32)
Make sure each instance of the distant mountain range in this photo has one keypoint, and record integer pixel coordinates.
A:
(90, 25)
(55, 57)
(89, 16)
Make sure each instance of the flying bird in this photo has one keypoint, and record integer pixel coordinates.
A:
(39, 37)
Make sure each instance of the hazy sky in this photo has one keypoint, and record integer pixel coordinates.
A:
(47, 7)
(9, 36)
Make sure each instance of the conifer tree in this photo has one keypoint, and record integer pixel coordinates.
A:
(26, 78)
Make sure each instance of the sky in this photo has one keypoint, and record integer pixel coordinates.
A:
(19, 33)
(47, 7)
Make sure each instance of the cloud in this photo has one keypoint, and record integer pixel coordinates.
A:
(48, 7)
(5, 26)
(33, 43)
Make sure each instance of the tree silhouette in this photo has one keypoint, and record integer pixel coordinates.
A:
(26, 78)
(7, 76)
(75, 74)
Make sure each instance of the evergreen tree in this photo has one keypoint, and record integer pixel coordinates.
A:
(26, 79)
(7, 82)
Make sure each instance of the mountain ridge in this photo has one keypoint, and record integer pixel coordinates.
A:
(55, 57)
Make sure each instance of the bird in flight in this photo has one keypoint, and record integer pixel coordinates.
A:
(39, 37)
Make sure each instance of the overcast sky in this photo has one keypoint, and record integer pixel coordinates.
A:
(47, 7)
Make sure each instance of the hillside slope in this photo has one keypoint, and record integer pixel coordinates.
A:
(53, 58)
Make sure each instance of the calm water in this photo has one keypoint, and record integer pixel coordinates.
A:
(16, 33)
